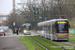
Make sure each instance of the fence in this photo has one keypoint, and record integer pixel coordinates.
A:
(72, 31)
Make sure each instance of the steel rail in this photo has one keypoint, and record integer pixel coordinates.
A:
(37, 43)
(50, 43)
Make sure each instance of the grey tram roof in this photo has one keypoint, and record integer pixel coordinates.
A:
(45, 22)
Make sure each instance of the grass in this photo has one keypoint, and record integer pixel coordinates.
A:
(72, 38)
(47, 45)
(31, 45)
(69, 43)
(72, 34)
(53, 42)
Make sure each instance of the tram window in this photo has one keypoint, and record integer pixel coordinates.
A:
(45, 27)
(62, 28)
(48, 27)
(53, 28)
(40, 28)
(27, 27)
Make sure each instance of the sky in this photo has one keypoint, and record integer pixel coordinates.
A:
(6, 6)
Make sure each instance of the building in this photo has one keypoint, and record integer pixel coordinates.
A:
(3, 18)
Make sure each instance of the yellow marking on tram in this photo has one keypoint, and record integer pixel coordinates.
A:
(58, 22)
(27, 25)
(28, 31)
(39, 25)
(62, 22)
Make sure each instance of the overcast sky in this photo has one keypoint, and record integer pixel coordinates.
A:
(6, 6)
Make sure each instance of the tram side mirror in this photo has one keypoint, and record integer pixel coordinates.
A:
(69, 25)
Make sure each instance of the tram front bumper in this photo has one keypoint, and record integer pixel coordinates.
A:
(62, 38)
(27, 33)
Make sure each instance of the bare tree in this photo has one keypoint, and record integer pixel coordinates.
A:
(18, 19)
(41, 10)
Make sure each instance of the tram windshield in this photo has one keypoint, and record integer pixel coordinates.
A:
(27, 27)
(62, 28)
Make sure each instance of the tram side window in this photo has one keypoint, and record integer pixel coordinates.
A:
(44, 28)
(48, 27)
(53, 28)
(39, 28)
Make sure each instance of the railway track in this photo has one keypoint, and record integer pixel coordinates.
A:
(64, 43)
(49, 42)
(68, 43)
(45, 41)
(37, 43)
(71, 42)
(63, 47)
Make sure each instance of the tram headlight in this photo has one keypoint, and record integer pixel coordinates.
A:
(24, 31)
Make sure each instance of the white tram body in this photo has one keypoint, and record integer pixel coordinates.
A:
(56, 29)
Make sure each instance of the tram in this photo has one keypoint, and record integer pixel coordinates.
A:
(56, 29)
(26, 29)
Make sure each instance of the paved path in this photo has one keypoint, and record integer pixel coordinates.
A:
(11, 43)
